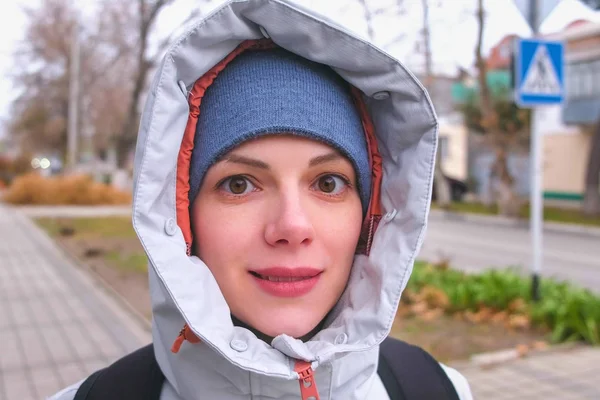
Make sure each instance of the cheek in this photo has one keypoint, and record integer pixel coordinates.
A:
(222, 234)
(340, 232)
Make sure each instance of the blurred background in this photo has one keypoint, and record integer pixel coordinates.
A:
(73, 78)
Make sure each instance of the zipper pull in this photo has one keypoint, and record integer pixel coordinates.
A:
(308, 386)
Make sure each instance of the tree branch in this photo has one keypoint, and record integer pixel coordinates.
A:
(484, 91)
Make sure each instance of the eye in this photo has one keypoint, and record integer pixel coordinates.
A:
(331, 184)
(237, 185)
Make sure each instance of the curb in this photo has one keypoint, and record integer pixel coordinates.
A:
(74, 211)
(499, 358)
(515, 222)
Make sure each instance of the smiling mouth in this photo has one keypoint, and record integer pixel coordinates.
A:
(287, 282)
(281, 278)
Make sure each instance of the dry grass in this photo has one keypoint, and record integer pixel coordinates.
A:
(33, 189)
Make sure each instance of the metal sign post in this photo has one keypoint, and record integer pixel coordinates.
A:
(539, 82)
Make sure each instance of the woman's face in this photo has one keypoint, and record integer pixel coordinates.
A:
(277, 221)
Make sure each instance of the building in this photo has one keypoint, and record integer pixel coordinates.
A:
(568, 128)
(452, 132)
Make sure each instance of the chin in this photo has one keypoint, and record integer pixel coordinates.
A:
(296, 326)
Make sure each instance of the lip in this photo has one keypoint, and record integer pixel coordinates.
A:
(286, 282)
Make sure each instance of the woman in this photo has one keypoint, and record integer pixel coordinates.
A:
(283, 177)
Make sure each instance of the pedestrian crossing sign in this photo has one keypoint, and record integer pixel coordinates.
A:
(539, 72)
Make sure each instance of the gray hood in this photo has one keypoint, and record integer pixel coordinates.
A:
(230, 360)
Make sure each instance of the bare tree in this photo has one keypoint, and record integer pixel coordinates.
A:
(145, 13)
(39, 113)
(502, 123)
(116, 59)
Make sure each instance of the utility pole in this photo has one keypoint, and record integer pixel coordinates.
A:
(442, 188)
(427, 45)
(533, 16)
(73, 123)
(536, 197)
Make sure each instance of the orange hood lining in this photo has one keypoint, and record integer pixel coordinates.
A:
(185, 153)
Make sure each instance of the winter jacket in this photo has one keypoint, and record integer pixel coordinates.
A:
(219, 360)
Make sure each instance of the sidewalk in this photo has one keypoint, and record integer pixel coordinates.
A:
(57, 324)
(558, 375)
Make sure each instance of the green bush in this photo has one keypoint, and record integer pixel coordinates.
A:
(571, 313)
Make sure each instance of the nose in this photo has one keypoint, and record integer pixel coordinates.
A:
(290, 223)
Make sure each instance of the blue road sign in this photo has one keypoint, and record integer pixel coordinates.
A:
(539, 73)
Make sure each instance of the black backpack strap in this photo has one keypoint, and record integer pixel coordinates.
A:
(135, 376)
(87, 385)
(410, 373)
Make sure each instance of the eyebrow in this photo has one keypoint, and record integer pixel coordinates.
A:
(253, 162)
(324, 159)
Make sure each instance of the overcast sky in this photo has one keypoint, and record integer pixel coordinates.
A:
(453, 29)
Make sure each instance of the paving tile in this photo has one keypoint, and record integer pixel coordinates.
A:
(560, 375)
(56, 324)
(45, 381)
(20, 313)
(58, 345)
(40, 312)
(18, 385)
(34, 347)
(71, 372)
(84, 346)
(12, 356)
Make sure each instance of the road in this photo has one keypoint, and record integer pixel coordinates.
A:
(475, 246)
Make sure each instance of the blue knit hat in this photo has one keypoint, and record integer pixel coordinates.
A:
(271, 92)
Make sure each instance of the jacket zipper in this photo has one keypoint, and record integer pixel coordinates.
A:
(308, 386)
(306, 376)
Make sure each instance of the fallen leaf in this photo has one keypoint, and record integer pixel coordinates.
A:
(419, 308)
(500, 317)
(432, 314)
(517, 305)
(403, 311)
(522, 350)
(435, 297)
(519, 322)
(539, 345)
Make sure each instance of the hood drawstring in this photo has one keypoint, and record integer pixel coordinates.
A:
(184, 334)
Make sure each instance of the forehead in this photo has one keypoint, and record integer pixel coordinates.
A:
(283, 150)
(268, 143)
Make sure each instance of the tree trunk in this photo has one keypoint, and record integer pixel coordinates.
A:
(130, 126)
(124, 147)
(506, 199)
(442, 187)
(591, 199)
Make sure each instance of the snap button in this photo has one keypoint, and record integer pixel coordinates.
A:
(342, 338)
(171, 227)
(384, 95)
(264, 32)
(390, 216)
(238, 345)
